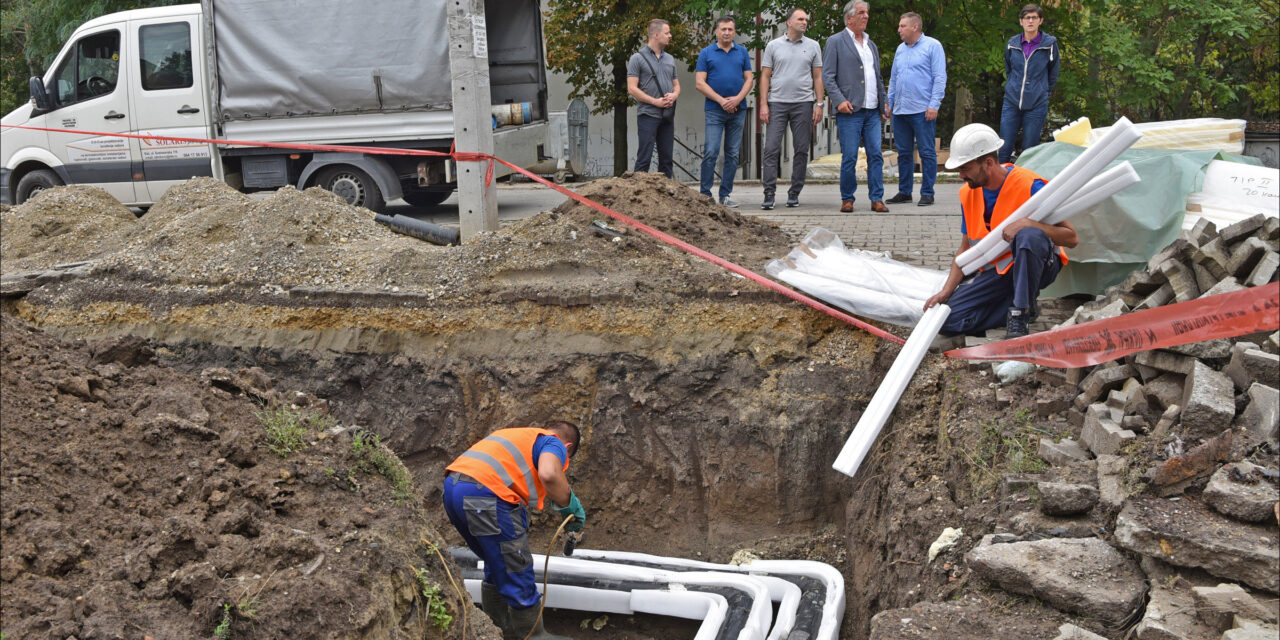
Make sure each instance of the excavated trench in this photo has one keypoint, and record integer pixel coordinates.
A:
(709, 425)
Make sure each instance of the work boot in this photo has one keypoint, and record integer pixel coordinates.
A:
(495, 606)
(522, 621)
(1017, 324)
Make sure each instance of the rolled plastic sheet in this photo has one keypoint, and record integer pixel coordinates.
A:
(1089, 164)
(1215, 134)
(891, 387)
(867, 303)
(1103, 186)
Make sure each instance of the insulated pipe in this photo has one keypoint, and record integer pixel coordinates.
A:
(1088, 164)
(419, 229)
(1103, 186)
(1118, 178)
(829, 576)
(711, 608)
(891, 388)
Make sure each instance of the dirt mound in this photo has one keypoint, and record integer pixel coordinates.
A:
(66, 224)
(142, 502)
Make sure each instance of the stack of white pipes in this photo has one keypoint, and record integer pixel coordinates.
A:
(1056, 192)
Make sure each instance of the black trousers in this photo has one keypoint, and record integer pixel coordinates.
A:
(654, 131)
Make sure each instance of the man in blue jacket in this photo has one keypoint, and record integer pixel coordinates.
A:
(1031, 66)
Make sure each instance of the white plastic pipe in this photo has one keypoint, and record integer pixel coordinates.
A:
(831, 579)
(1101, 187)
(1088, 164)
(891, 387)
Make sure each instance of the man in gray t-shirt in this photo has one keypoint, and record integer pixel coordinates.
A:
(652, 81)
(791, 85)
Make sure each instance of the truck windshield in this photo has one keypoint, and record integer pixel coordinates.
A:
(91, 70)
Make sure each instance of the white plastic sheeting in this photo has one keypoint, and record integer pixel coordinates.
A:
(1194, 134)
(891, 387)
(1233, 191)
(868, 284)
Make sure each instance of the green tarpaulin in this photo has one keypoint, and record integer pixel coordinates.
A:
(1121, 234)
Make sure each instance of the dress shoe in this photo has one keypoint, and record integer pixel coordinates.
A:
(925, 201)
(793, 200)
(767, 205)
(878, 207)
(846, 206)
(900, 198)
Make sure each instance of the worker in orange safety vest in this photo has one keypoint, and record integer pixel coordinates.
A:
(1004, 291)
(487, 491)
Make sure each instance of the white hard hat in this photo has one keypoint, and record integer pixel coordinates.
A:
(972, 141)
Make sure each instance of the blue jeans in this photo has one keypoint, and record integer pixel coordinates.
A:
(983, 302)
(862, 127)
(729, 125)
(913, 130)
(651, 132)
(495, 530)
(1031, 122)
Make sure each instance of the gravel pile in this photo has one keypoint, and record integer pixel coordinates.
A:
(63, 225)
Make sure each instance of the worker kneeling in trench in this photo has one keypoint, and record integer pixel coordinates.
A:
(486, 493)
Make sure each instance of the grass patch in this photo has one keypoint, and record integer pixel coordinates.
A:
(287, 427)
(374, 457)
(1009, 448)
(223, 630)
(437, 610)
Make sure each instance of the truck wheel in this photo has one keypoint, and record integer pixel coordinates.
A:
(423, 198)
(34, 183)
(354, 186)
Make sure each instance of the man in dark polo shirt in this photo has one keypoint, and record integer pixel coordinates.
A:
(723, 75)
(651, 80)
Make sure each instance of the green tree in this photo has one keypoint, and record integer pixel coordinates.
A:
(591, 41)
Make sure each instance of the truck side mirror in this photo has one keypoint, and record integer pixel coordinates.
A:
(38, 94)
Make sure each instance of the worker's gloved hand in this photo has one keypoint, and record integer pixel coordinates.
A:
(574, 509)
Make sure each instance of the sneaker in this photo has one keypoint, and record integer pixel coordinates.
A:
(767, 205)
(730, 202)
(899, 199)
(1017, 324)
(793, 200)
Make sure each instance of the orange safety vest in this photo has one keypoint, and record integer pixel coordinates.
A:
(1015, 191)
(504, 464)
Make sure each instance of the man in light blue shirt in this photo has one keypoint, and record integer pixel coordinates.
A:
(917, 82)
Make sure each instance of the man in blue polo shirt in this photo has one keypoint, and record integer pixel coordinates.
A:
(723, 75)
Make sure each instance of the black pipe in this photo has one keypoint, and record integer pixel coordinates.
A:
(419, 229)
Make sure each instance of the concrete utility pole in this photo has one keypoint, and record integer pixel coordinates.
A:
(472, 115)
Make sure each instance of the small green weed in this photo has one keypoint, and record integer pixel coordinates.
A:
(248, 607)
(287, 427)
(1004, 450)
(374, 457)
(436, 608)
(223, 630)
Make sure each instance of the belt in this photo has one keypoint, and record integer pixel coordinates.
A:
(462, 477)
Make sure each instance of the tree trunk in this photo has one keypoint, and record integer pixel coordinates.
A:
(620, 118)
(1197, 67)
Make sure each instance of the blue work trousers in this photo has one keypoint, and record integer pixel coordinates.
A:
(860, 128)
(984, 301)
(1031, 122)
(654, 132)
(496, 530)
(912, 132)
(727, 126)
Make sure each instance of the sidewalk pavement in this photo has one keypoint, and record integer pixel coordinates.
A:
(923, 236)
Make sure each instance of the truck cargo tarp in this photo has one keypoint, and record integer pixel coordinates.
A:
(1121, 234)
(280, 58)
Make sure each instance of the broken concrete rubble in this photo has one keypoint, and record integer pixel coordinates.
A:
(1218, 606)
(1080, 575)
(1102, 432)
(1249, 365)
(1064, 499)
(1061, 453)
(1170, 612)
(1072, 632)
(1208, 404)
(1186, 533)
(1242, 492)
(1262, 415)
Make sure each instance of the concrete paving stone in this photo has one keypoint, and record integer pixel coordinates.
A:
(1061, 453)
(1208, 402)
(1243, 492)
(1246, 256)
(1102, 433)
(1204, 279)
(1077, 575)
(1181, 279)
(1142, 282)
(1207, 349)
(1226, 285)
(1187, 533)
(1251, 364)
(1158, 298)
(1265, 271)
(1231, 234)
(1219, 605)
(1214, 257)
(1165, 361)
(1176, 251)
(1270, 229)
(1165, 390)
(1262, 414)
(1111, 471)
(1201, 232)
(1103, 380)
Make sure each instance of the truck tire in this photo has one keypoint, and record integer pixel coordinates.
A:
(34, 183)
(354, 186)
(424, 198)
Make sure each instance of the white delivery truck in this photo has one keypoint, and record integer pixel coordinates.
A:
(290, 71)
